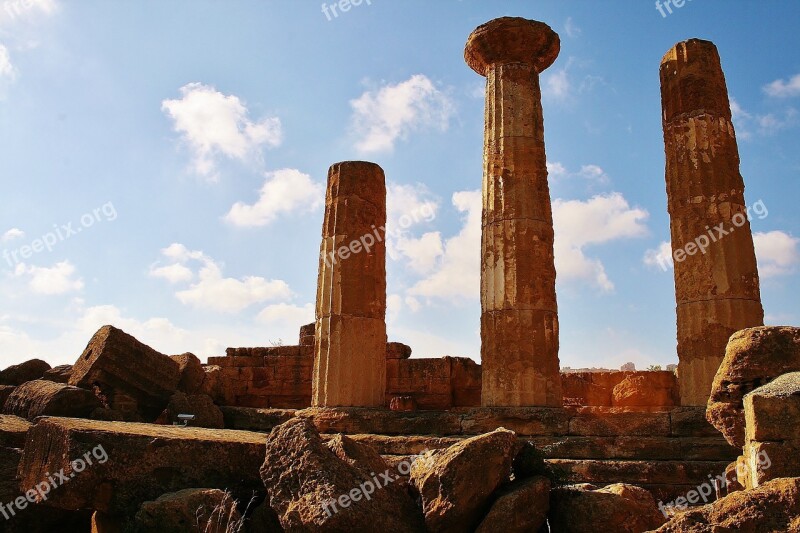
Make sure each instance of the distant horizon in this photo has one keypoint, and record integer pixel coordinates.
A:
(171, 181)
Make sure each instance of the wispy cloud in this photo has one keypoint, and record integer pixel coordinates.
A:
(381, 118)
(571, 29)
(55, 280)
(215, 125)
(778, 253)
(10, 235)
(212, 291)
(784, 88)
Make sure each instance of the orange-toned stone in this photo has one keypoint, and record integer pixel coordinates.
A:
(350, 337)
(717, 288)
(519, 320)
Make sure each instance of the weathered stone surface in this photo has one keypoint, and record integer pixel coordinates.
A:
(397, 350)
(637, 472)
(383, 421)
(753, 357)
(520, 508)
(5, 392)
(457, 484)
(519, 320)
(690, 422)
(189, 510)
(522, 420)
(435, 384)
(191, 372)
(772, 411)
(251, 419)
(311, 488)
(619, 421)
(618, 507)
(46, 398)
(207, 415)
(27, 371)
(402, 403)
(142, 462)
(350, 346)
(307, 333)
(716, 276)
(773, 507)
(13, 430)
(640, 391)
(58, 374)
(122, 367)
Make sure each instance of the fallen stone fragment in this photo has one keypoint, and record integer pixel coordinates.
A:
(5, 392)
(27, 371)
(311, 488)
(206, 414)
(457, 484)
(135, 463)
(619, 508)
(13, 431)
(58, 374)
(46, 398)
(520, 508)
(130, 374)
(190, 510)
(753, 358)
(191, 371)
(770, 508)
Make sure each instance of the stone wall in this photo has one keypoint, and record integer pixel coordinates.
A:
(280, 377)
(621, 389)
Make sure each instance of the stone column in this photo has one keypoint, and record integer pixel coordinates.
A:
(716, 277)
(350, 338)
(519, 316)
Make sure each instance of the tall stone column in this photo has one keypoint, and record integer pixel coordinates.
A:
(716, 277)
(350, 337)
(519, 315)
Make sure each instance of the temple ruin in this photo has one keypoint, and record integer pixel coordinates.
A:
(506, 445)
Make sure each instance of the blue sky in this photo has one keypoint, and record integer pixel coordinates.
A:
(164, 163)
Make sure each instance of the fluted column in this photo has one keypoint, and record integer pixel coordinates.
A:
(519, 314)
(350, 337)
(716, 277)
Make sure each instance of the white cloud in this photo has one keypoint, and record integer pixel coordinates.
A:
(57, 279)
(409, 206)
(784, 89)
(24, 10)
(778, 253)
(557, 84)
(556, 169)
(212, 291)
(10, 235)
(175, 273)
(213, 124)
(287, 314)
(594, 173)
(284, 191)
(660, 257)
(571, 29)
(740, 117)
(598, 220)
(458, 272)
(382, 117)
(7, 69)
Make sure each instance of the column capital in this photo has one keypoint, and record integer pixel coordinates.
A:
(512, 40)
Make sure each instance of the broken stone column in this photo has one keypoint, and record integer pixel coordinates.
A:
(519, 315)
(716, 277)
(350, 338)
